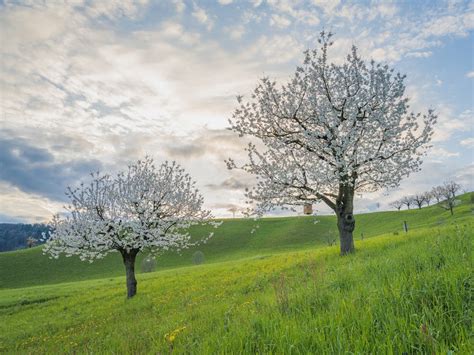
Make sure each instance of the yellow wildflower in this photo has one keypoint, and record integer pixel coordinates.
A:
(170, 337)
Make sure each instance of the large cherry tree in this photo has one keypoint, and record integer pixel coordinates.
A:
(331, 131)
(144, 208)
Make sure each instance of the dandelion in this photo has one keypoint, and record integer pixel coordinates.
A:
(170, 337)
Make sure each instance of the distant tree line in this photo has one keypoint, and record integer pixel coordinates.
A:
(18, 236)
(444, 195)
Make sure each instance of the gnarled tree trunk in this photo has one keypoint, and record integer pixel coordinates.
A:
(129, 262)
(345, 218)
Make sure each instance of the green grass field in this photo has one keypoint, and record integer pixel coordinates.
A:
(280, 290)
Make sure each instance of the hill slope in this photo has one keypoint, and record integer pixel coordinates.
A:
(398, 294)
(233, 240)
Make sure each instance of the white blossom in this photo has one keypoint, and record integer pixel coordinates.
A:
(330, 126)
(329, 132)
(143, 208)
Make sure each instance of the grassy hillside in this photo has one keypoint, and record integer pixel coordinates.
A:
(398, 294)
(233, 240)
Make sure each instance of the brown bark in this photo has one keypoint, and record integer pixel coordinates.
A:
(345, 218)
(129, 262)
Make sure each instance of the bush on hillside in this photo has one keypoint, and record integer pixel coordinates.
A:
(149, 264)
(198, 258)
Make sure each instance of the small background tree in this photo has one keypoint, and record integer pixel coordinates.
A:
(148, 264)
(449, 193)
(419, 200)
(31, 242)
(407, 201)
(198, 257)
(143, 208)
(398, 204)
(428, 196)
(437, 193)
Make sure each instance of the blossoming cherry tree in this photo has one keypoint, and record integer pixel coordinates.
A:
(331, 131)
(143, 208)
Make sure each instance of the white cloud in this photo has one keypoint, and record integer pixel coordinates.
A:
(276, 49)
(421, 54)
(95, 91)
(439, 154)
(236, 32)
(114, 9)
(225, 2)
(202, 16)
(468, 142)
(448, 123)
(29, 208)
(279, 21)
(179, 5)
(328, 6)
(470, 74)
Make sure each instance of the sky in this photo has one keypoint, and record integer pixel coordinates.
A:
(96, 85)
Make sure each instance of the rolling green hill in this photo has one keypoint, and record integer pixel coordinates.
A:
(399, 293)
(232, 240)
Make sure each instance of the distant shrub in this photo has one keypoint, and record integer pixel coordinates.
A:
(198, 258)
(472, 197)
(395, 233)
(148, 264)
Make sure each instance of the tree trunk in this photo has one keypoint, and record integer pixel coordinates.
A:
(129, 262)
(345, 218)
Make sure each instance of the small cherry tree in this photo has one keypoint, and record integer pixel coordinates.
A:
(398, 204)
(419, 200)
(144, 208)
(437, 193)
(331, 131)
(407, 201)
(428, 196)
(449, 191)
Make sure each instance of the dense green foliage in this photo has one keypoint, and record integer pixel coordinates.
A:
(400, 293)
(232, 240)
(14, 236)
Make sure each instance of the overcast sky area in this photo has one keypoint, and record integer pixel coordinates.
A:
(98, 84)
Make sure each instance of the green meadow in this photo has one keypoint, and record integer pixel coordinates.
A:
(282, 289)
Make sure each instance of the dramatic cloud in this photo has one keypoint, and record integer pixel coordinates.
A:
(34, 170)
(100, 84)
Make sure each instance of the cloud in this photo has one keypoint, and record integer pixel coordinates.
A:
(218, 143)
(279, 21)
(202, 16)
(470, 74)
(329, 6)
(35, 170)
(109, 85)
(18, 206)
(468, 142)
(439, 154)
(231, 183)
(449, 123)
(276, 49)
(236, 32)
(114, 9)
(422, 54)
(225, 2)
(179, 5)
